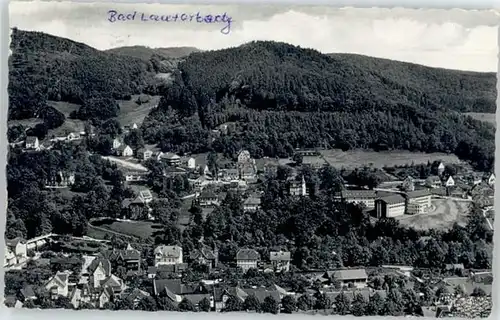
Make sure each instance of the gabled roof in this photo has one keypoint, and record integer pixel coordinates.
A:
(136, 294)
(97, 262)
(434, 179)
(112, 281)
(208, 195)
(280, 256)
(175, 286)
(14, 242)
(28, 292)
(204, 252)
(170, 156)
(169, 251)
(247, 254)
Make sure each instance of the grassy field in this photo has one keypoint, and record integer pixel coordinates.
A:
(64, 107)
(131, 112)
(486, 117)
(358, 158)
(444, 213)
(140, 229)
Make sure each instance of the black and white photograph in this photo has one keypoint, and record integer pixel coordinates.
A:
(263, 159)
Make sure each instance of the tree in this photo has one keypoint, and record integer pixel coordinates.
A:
(298, 158)
(204, 304)
(375, 305)
(342, 304)
(164, 303)
(288, 304)
(147, 304)
(186, 305)
(305, 302)
(270, 305)
(359, 305)
(478, 292)
(251, 303)
(322, 302)
(233, 304)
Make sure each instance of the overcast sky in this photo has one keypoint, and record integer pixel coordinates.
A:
(454, 39)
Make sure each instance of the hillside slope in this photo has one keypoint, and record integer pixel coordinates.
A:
(269, 75)
(279, 97)
(43, 67)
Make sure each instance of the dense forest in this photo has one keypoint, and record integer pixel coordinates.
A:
(43, 67)
(276, 97)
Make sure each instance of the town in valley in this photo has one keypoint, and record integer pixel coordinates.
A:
(174, 189)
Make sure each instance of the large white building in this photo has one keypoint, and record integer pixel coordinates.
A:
(168, 255)
(247, 259)
(390, 206)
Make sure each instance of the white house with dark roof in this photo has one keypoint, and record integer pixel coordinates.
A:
(252, 203)
(58, 285)
(356, 277)
(433, 182)
(116, 143)
(124, 151)
(16, 251)
(168, 255)
(280, 260)
(247, 259)
(390, 206)
(207, 199)
(171, 159)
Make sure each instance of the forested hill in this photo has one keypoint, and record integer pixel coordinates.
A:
(270, 75)
(146, 53)
(278, 97)
(43, 67)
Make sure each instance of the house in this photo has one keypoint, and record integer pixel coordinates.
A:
(418, 201)
(205, 256)
(455, 266)
(124, 151)
(280, 260)
(191, 163)
(354, 277)
(364, 197)
(116, 143)
(28, 293)
(9, 258)
(433, 182)
(136, 176)
(175, 291)
(244, 157)
(230, 174)
(136, 296)
(207, 199)
(157, 155)
(252, 203)
(116, 284)
(18, 249)
(58, 285)
(222, 295)
(297, 188)
(450, 182)
(206, 171)
(247, 259)
(390, 206)
(62, 179)
(440, 168)
(408, 184)
(168, 255)
(32, 143)
(168, 270)
(128, 258)
(98, 271)
(105, 295)
(144, 154)
(247, 171)
(171, 159)
(491, 180)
